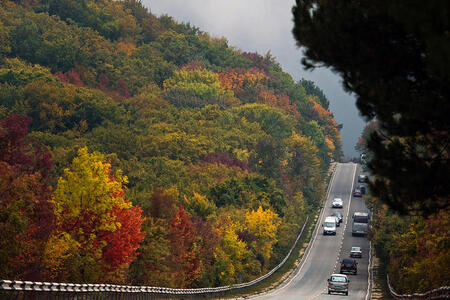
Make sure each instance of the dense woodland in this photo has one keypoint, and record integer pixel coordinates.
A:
(138, 150)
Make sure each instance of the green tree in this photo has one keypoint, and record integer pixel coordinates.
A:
(313, 130)
(199, 204)
(313, 90)
(175, 47)
(5, 47)
(304, 166)
(195, 88)
(26, 40)
(272, 120)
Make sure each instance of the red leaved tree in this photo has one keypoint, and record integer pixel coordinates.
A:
(225, 159)
(122, 244)
(184, 260)
(26, 215)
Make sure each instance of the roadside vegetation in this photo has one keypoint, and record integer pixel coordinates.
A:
(413, 249)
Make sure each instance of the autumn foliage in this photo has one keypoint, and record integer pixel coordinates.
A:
(26, 215)
(122, 244)
(51, 230)
(182, 237)
(146, 151)
(240, 79)
(94, 216)
(415, 255)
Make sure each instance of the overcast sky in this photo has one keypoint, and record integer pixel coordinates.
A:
(261, 26)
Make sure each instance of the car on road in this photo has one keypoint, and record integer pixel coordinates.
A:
(360, 229)
(356, 252)
(349, 265)
(329, 226)
(362, 188)
(357, 192)
(338, 215)
(338, 283)
(360, 224)
(363, 178)
(337, 203)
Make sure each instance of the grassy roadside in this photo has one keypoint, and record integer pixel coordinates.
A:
(293, 261)
(380, 288)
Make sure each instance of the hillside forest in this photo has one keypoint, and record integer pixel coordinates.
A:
(138, 150)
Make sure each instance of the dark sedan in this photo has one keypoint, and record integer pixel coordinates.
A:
(349, 265)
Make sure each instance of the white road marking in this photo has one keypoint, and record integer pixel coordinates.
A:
(345, 225)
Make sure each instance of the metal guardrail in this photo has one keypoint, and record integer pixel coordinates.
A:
(36, 290)
(440, 293)
(23, 289)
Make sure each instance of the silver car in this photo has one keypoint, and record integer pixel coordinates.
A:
(338, 283)
(337, 203)
(356, 252)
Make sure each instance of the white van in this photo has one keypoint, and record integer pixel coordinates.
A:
(329, 226)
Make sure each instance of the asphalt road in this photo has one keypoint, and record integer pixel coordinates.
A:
(325, 252)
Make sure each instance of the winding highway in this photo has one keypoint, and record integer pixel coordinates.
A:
(323, 255)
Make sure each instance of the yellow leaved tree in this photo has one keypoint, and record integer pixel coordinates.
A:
(89, 188)
(263, 225)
